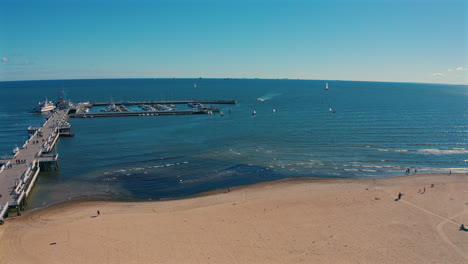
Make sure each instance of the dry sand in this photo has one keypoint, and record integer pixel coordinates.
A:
(288, 221)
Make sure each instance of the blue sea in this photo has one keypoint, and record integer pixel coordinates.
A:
(353, 129)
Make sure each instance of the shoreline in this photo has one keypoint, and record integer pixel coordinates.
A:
(108, 198)
(293, 220)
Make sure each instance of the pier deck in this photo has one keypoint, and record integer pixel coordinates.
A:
(17, 181)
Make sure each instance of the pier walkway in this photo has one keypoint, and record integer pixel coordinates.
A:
(17, 178)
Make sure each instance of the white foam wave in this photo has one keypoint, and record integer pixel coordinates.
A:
(145, 168)
(268, 96)
(444, 151)
(394, 150)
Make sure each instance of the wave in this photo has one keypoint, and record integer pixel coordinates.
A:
(145, 168)
(394, 150)
(444, 151)
(268, 96)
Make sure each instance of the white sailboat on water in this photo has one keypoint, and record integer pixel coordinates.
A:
(326, 86)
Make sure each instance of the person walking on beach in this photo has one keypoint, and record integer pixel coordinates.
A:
(399, 195)
(98, 213)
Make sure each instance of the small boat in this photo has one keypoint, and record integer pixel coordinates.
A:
(45, 106)
(254, 113)
(274, 110)
(260, 99)
(326, 86)
(111, 108)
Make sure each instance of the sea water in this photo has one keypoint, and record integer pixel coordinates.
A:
(300, 129)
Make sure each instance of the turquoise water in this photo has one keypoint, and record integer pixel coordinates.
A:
(378, 129)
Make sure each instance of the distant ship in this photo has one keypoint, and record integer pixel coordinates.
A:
(326, 86)
(260, 99)
(44, 106)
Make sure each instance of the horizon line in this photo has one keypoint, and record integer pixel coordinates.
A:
(221, 78)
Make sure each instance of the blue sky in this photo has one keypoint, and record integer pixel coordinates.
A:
(373, 40)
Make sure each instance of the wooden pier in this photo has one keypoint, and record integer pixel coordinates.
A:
(19, 172)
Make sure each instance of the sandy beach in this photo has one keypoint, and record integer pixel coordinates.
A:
(287, 221)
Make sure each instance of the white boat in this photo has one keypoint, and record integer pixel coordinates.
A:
(260, 99)
(326, 86)
(254, 113)
(111, 108)
(44, 106)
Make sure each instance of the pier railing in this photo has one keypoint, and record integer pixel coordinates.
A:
(3, 212)
(4, 166)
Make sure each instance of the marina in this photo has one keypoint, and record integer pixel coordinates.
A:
(167, 102)
(19, 172)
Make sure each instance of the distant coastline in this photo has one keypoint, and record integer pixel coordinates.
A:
(228, 78)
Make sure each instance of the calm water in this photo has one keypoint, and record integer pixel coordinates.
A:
(379, 129)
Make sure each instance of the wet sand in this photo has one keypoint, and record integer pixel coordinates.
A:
(287, 221)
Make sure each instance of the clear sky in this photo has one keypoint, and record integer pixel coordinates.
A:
(370, 40)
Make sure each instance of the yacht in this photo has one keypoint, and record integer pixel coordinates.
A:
(44, 106)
